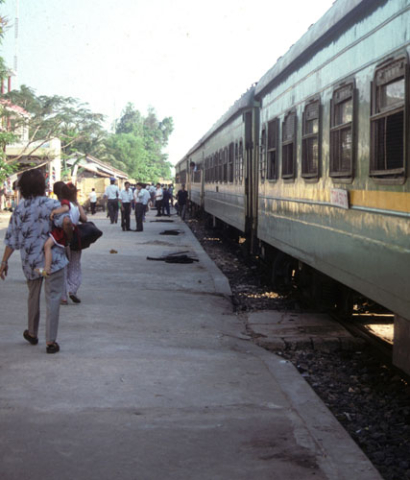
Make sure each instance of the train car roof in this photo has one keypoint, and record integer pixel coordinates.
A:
(340, 12)
(246, 101)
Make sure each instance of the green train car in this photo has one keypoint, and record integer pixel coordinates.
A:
(328, 168)
(221, 167)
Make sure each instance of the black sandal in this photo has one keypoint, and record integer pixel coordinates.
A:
(29, 338)
(53, 348)
(74, 298)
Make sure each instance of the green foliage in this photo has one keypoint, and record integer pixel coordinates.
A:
(136, 147)
(5, 169)
(138, 143)
(78, 128)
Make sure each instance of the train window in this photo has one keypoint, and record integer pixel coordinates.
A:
(236, 162)
(215, 177)
(272, 153)
(241, 160)
(231, 161)
(262, 156)
(387, 159)
(289, 145)
(225, 157)
(341, 132)
(310, 140)
(221, 166)
(196, 173)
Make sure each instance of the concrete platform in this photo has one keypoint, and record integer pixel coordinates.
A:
(155, 380)
(276, 330)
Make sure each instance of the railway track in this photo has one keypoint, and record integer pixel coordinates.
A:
(362, 327)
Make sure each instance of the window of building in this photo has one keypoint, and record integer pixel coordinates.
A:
(310, 140)
(388, 124)
(272, 150)
(289, 146)
(341, 132)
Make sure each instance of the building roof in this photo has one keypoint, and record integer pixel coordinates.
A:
(14, 108)
(93, 164)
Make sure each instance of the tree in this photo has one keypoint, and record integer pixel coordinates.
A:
(79, 129)
(5, 137)
(138, 144)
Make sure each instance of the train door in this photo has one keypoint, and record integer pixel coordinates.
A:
(251, 177)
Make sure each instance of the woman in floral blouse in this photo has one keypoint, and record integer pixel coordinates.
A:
(28, 230)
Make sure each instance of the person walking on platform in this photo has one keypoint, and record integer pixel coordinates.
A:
(142, 197)
(93, 201)
(182, 199)
(112, 193)
(165, 202)
(28, 230)
(171, 193)
(152, 191)
(159, 194)
(126, 197)
(74, 274)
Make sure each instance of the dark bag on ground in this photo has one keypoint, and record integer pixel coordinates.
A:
(84, 235)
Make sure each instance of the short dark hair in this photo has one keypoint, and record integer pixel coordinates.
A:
(57, 188)
(32, 184)
(72, 192)
(65, 193)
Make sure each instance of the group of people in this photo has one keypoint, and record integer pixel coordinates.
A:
(139, 200)
(42, 229)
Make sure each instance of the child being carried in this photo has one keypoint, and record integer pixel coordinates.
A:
(59, 237)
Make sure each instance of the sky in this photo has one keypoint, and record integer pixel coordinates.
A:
(188, 59)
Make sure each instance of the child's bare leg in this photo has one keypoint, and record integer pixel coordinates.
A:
(48, 256)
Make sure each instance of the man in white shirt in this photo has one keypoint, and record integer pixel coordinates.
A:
(112, 193)
(93, 201)
(158, 199)
(125, 198)
(142, 197)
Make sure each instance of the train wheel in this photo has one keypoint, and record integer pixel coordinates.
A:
(283, 271)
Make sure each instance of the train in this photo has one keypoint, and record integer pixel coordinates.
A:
(311, 164)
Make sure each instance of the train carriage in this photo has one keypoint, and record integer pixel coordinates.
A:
(334, 154)
(314, 160)
(222, 167)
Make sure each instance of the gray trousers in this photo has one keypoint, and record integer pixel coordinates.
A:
(182, 211)
(54, 285)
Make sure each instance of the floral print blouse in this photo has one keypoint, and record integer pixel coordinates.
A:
(29, 229)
